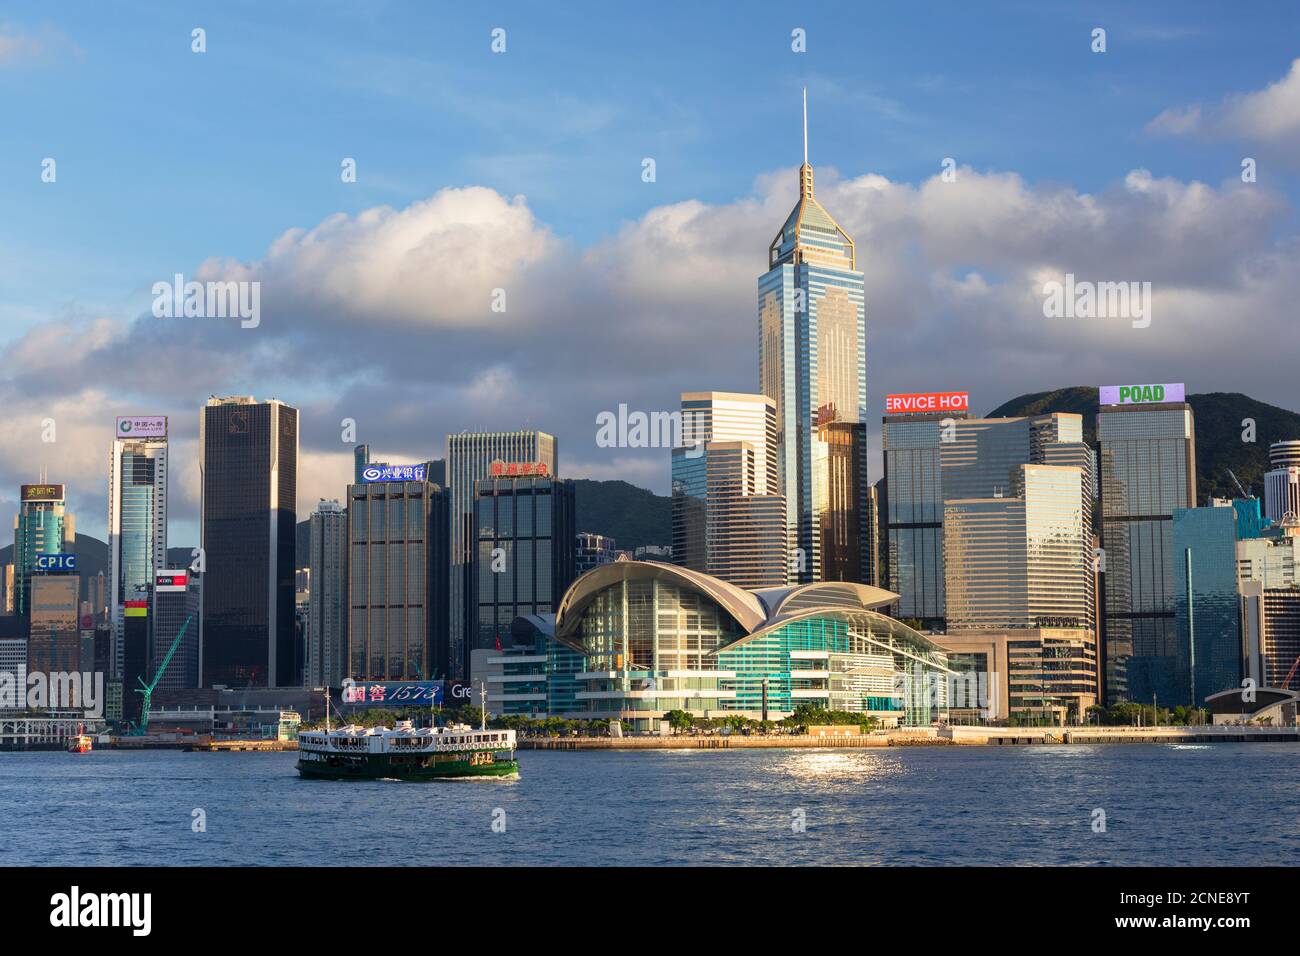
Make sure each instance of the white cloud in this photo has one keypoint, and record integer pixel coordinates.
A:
(1269, 117)
(384, 317)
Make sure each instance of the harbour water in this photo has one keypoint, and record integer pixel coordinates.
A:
(1221, 804)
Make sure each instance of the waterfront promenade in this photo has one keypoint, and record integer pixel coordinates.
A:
(929, 736)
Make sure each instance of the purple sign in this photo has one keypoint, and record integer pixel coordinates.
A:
(1140, 394)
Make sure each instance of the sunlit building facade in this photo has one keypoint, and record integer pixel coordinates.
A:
(470, 458)
(933, 459)
(137, 525)
(1282, 483)
(397, 580)
(813, 365)
(728, 519)
(42, 527)
(1023, 559)
(656, 637)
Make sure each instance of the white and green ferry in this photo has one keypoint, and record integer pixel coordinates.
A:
(406, 752)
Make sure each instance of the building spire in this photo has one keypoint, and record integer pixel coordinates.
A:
(805, 126)
(805, 171)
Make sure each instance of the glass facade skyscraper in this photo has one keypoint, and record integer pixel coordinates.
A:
(728, 519)
(525, 552)
(1147, 471)
(932, 459)
(43, 526)
(1207, 606)
(137, 526)
(911, 504)
(248, 462)
(813, 364)
(470, 457)
(1021, 560)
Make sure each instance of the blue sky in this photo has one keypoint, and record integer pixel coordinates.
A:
(167, 159)
(165, 154)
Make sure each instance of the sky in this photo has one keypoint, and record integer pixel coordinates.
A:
(523, 171)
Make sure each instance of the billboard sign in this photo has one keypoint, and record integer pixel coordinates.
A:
(922, 402)
(392, 693)
(393, 473)
(517, 469)
(170, 582)
(56, 562)
(42, 492)
(459, 692)
(1140, 394)
(142, 426)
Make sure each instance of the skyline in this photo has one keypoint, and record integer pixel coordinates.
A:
(951, 268)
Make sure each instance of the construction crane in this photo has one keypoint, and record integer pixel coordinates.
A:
(146, 701)
(1290, 673)
(1244, 492)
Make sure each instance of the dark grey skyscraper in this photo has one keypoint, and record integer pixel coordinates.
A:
(397, 580)
(525, 551)
(1148, 470)
(248, 460)
(471, 457)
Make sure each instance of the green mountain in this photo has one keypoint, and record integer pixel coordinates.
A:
(630, 515)
(1219, 429)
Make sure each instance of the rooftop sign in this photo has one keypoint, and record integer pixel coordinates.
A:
(921, 402)
(1140, 394)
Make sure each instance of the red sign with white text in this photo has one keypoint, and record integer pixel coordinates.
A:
(921, 402)
(517, 469)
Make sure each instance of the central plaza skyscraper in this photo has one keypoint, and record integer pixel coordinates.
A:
(813, 365)
(248, 473)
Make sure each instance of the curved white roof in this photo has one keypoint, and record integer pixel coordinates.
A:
(755, 611)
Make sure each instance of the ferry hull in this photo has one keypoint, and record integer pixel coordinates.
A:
(385, 767)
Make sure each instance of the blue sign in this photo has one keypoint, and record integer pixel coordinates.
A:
(393, 693)
(393, 473)
(56, 562)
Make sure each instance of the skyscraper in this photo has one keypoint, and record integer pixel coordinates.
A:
(328, 608)
(470, 458)
(813, 365)
(913, 433)
(137, 515)
(176, 599)
(1020, 559)
(933, 458)
(1282, 483)
(728, 516)
(248, 461)
(525, 551)
(1148, 469)
(43, 528)
(397, 580)
(1207, 605)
